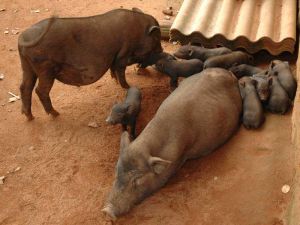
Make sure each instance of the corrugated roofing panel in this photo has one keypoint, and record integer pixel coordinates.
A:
(249, 24)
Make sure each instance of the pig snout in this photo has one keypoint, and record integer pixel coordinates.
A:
(109, 211)
(109, 120)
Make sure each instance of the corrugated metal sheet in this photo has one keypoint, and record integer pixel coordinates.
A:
(249, 24)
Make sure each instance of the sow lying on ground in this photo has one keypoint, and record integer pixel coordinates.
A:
(198, 117)
(78, 51)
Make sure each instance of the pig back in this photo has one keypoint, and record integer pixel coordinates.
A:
(202, 113)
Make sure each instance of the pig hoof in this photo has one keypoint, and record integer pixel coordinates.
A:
(54, 113)
(30, 117)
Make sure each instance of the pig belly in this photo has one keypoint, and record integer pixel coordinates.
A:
(80, 76)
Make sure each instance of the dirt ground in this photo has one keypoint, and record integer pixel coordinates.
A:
(67, 168)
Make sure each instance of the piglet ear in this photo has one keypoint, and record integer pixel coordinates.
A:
(125, 141)
(272, 64)
(158, 164)
(242, 83)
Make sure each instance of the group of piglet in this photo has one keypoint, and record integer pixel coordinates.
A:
(272, 89)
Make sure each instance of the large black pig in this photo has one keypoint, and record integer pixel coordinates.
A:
(198, 117)
(78, 51)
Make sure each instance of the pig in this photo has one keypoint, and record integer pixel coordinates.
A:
(127, 112)
(263, 85)
(195, 52)
(245, 70)
(279, 101)
(194, 120)
(284, 74)
(152, 60)
(78, 51)
(174, 68)
(228, 60)
(253, 113)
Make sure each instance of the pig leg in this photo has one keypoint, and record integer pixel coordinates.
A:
(43, 90)
(124, 127)
(29, 80)
(120, 73)
(173, 83)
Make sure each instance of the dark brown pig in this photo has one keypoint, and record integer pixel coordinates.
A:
(196, 52)
(279, 101)
(283, 72)
(228, 60)
(253, 113)
(245, 70)
(175, 68)
(126, 113)
(198, 117)
(154, 58)
(78, 51)
(263, 85)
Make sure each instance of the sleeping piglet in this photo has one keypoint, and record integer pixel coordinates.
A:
(196, 52)
(253, 113)
(285, 76)
(174, 68)
(228, 60)
(244, 70)
(126, 113)
(279, 101)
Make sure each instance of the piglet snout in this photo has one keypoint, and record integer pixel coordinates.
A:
(108, 210)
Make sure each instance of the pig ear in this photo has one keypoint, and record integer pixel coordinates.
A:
(153, 29)
(125, 140)
(242, 83)
(158, 164)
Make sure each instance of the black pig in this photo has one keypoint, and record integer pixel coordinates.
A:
(253, 113)
(126, 113)
(279, 101)
(174, 68)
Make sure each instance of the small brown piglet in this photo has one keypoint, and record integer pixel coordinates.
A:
(253, 113)
(263, 85)
(279, 101)
(244, 70)
(228, 60)
(126, 113)
(196, 52)
(174, 68)
(285, 76)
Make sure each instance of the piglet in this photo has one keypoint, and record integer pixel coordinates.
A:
(196, 52)
(253, 114)
(228, 60)
(263, 85)
(126, 113)
(279, 101)
(174, 68)
(244, 70)
(285, 76)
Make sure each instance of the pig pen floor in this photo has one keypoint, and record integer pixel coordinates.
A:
(67, 168)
